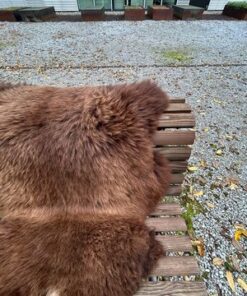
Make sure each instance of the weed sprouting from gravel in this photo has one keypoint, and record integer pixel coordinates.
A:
(176, 55)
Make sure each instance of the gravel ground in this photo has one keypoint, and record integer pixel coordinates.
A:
(211, 72)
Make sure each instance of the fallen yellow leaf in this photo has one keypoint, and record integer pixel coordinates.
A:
(229, 137)
(240, 232)
(192, 168)
(203, 163)
(195, 242)
(200, 247)
(206, 129)
(218, 101)
(210, 205)
(242, 284)
(230, 280)
(239, 226)
(198, 193)
(219, 152)
(218, 261)
(233, 186)
(201, 250)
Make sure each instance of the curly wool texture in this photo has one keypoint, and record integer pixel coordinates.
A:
(78, 175)
(75, 256)
(87, 146)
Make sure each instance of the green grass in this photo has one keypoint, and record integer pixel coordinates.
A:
(175, 55)
(237, 5)
(4, 45)
(192, 208)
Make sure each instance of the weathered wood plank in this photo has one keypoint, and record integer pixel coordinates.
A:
(176, 265)
(177, 120)
(166, 224)
(178, 166)
(175, 243)
(178, 108)
(167, 209)
(175, 153)
(174, 190)
(167, 137)
(177, 178)
(172, 289)
(177, 100)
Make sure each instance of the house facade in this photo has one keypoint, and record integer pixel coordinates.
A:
(72, 5)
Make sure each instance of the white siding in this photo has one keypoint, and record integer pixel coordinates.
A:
(183, 2)
(8, 3)
(219, 4)
(59, 5)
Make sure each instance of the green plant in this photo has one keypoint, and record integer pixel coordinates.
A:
(175, 55)
(237, 5)
(192, 208)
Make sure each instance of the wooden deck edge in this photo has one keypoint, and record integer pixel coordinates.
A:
(166, 224)
(172, 289)
(176, 265)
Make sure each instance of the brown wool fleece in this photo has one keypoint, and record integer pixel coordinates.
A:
(78, 175)
(86, 146)
(75, 256)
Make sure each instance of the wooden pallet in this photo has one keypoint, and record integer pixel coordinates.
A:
(173, 139)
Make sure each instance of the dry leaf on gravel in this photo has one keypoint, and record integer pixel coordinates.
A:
(237, 245)
(218, 261)
(210, 205)
(230, 280)
(203, 163)
(239, 233)
(219, 152)
(242, 284)
(231, 182)
(192, 168)
(198, 193)
(218, 101)
(200, 247)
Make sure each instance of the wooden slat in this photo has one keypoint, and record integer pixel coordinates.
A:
(162, 138)
(166, 224)
(181, 288)
(177, 100)
(175, 243)
(178, 108)
(177, 179)
(174, 190)
(175, 153)
(167, 209)
(178, 166)
(177, 120)
(176, 265)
